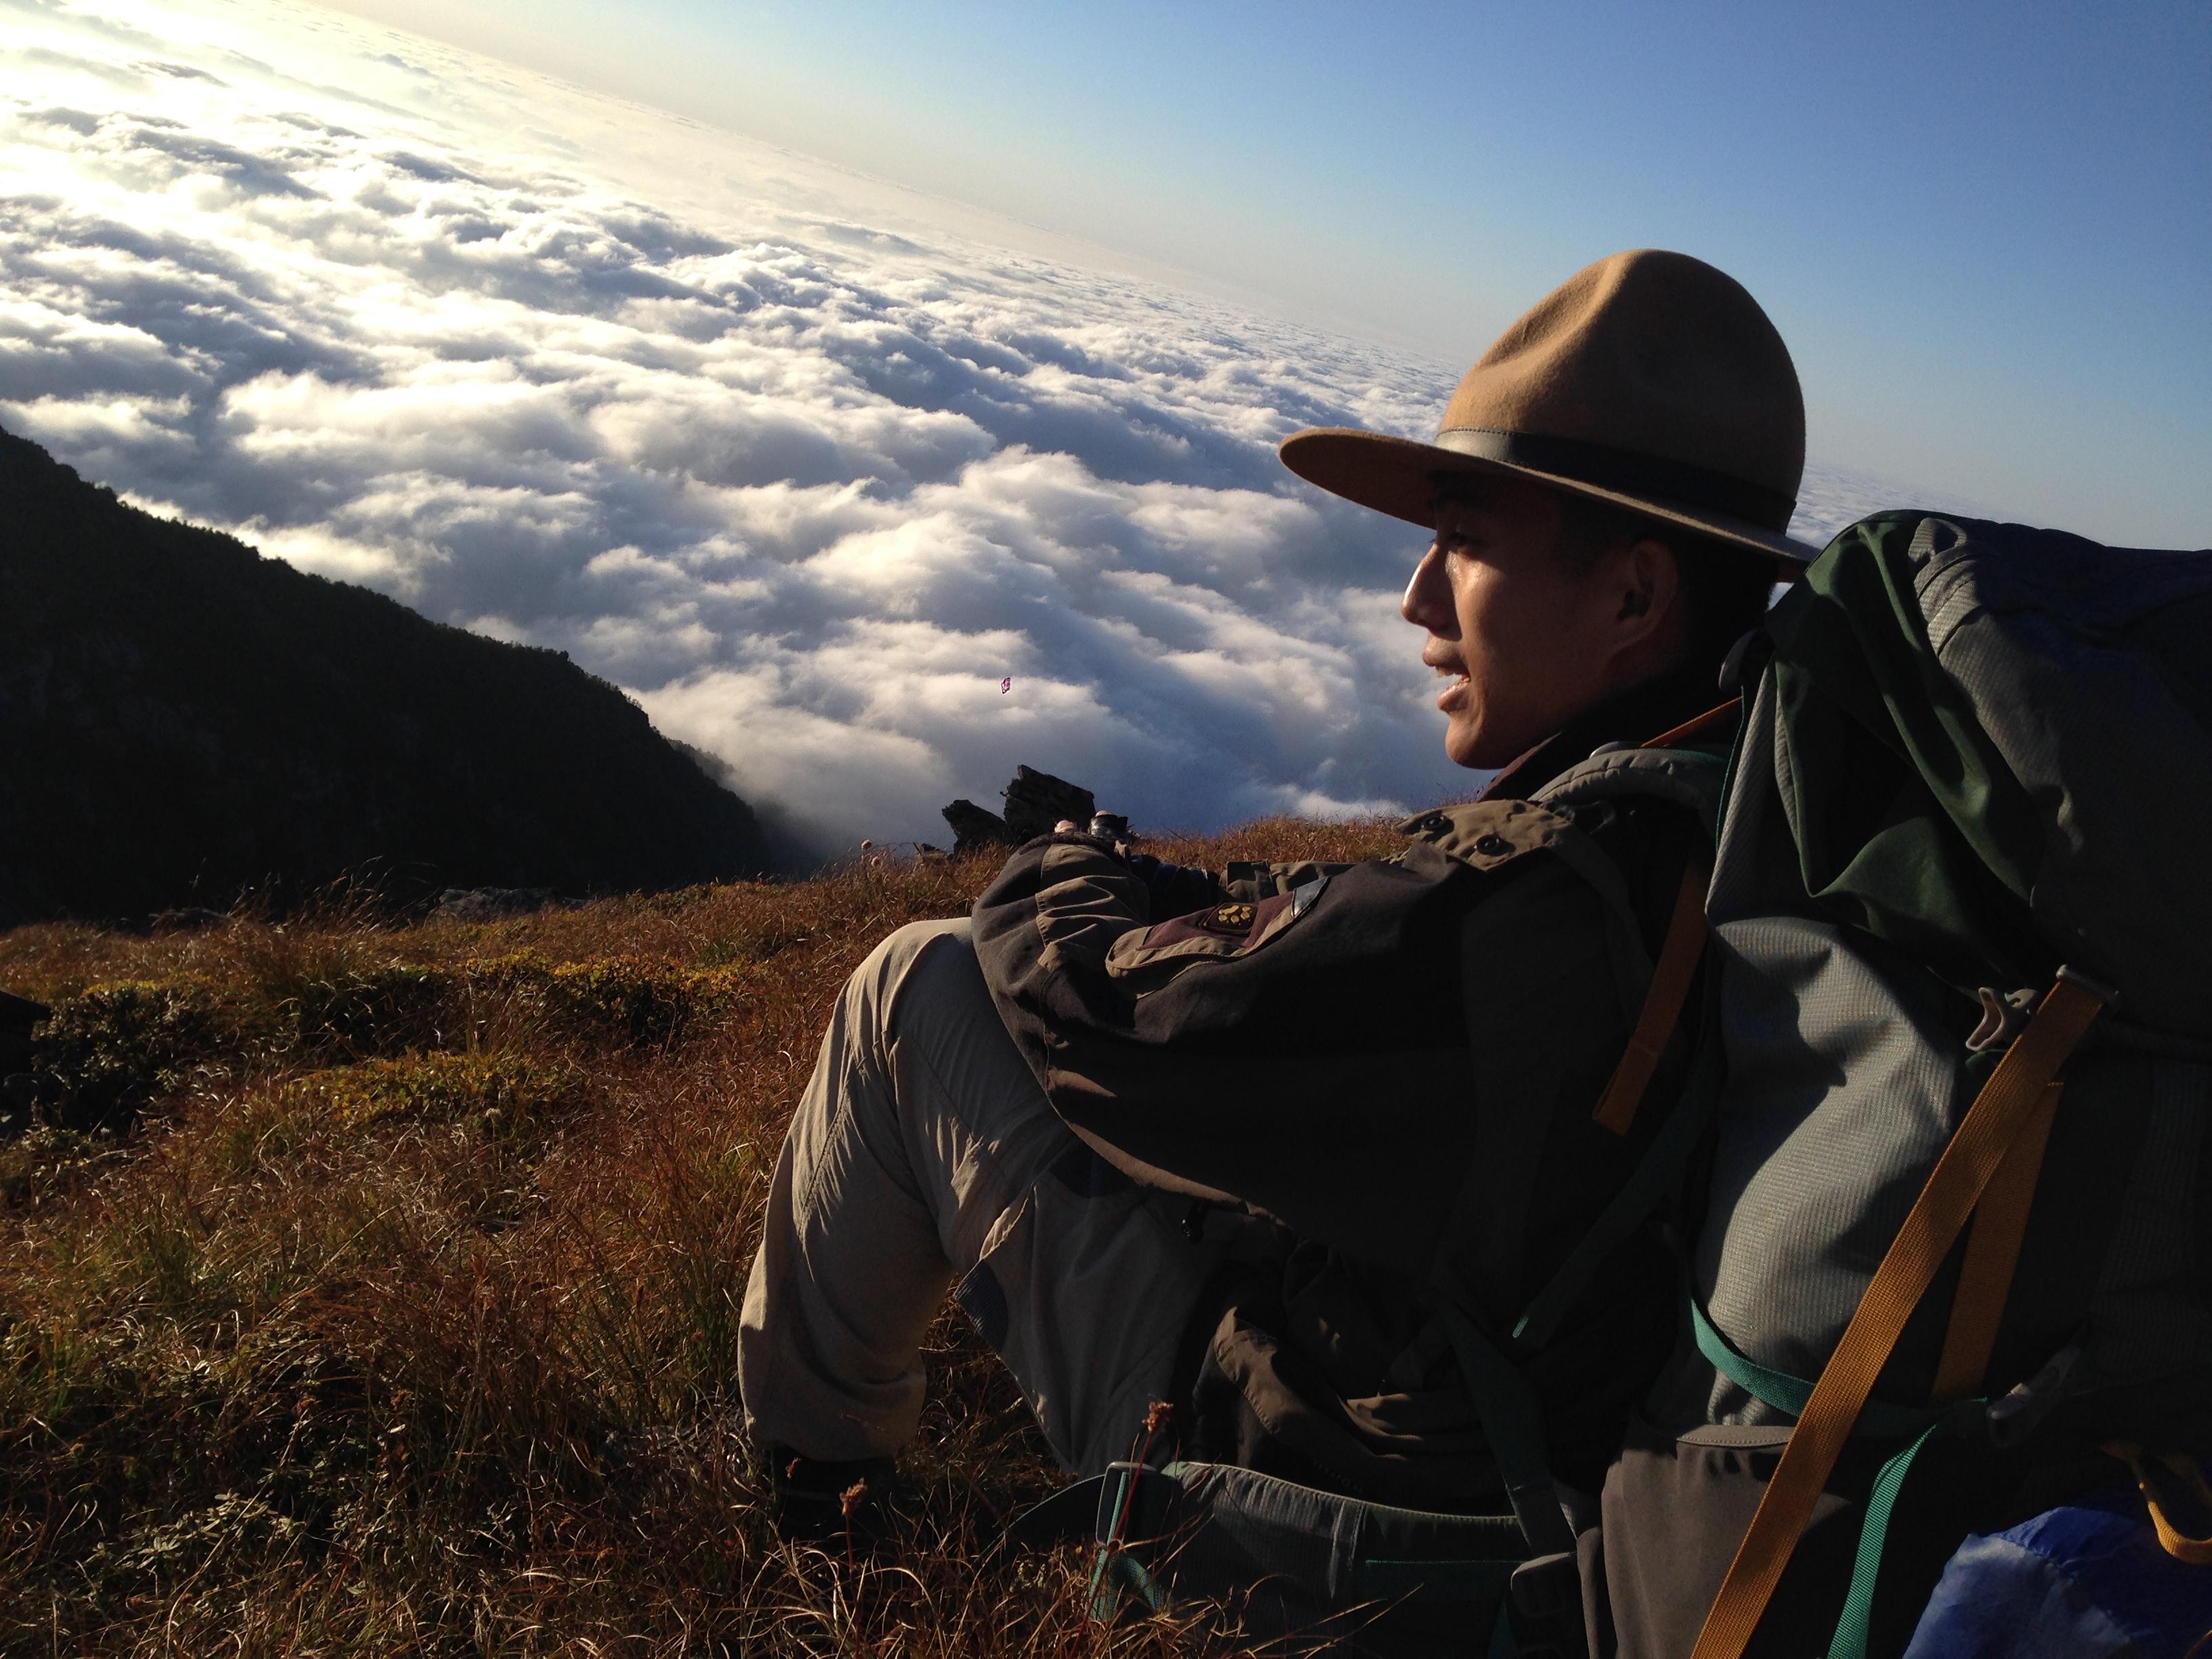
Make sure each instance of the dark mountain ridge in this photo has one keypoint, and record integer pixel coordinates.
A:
(183, 720)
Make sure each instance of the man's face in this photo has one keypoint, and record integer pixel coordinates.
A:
(1526, 638)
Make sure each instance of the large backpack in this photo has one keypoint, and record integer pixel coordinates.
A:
(1959, 1238)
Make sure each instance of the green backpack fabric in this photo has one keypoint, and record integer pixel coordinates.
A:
(1976, 753)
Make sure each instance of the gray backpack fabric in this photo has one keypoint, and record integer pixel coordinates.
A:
(1975, 753)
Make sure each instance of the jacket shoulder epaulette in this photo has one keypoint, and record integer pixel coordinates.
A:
(1688, 778)
(1485, 833)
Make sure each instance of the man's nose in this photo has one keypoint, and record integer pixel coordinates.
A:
(1426, 604)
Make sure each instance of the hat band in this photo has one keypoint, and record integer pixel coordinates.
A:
(1625, 471)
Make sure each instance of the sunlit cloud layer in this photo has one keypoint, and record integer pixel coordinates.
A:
(841, 493)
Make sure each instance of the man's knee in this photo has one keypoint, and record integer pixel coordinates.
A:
(896, 1080)
(902, 945)
(927, 948)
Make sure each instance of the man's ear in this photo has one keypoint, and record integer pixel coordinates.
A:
(1649, 584)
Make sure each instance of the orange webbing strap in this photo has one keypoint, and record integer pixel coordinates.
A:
(1662, 1004)
(1992, 1252)
(2007, 1101)
(2197, 1551)
(1689, 728)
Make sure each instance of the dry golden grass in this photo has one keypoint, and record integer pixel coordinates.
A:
(400, 1317)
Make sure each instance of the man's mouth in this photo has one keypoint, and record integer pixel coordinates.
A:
(1449, 702)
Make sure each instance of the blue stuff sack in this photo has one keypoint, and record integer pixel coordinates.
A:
(2088, 1579)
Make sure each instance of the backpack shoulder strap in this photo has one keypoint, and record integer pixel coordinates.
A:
(1690, 778)
(1671, 977)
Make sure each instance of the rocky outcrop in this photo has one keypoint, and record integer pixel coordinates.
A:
(974, 827)
(1035, 802)
(491, 903)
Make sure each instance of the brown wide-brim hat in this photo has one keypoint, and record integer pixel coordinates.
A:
(1649, 381)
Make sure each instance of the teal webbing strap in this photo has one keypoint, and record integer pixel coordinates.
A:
(1116, 1573)
(1638, 1195)
(1514, 1428)
(1779, 1389)
(1105, 1589)
(1850, 1641)
(1785, 1392)
(1119, 1574)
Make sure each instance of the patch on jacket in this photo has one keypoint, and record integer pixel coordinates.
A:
(1217, 933)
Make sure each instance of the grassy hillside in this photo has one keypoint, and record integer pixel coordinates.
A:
(383, 1300)
(182, 719)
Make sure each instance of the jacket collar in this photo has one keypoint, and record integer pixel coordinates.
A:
(1631, 717)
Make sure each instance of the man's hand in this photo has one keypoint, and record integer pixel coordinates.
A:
(1174, 890)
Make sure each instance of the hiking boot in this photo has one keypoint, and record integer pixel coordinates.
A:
(816, 1501)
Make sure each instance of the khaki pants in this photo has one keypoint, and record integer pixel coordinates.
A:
(923, 1153)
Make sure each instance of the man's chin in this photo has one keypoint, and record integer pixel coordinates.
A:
(1468, 748)
(1480, 750)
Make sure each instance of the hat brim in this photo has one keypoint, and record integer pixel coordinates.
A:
(1401, 477)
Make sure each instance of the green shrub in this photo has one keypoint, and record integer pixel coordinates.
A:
(103, 1055)
(496, 1092)
(627, 1000)
(385, 1009)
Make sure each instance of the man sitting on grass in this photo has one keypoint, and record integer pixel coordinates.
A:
(1073, 1108)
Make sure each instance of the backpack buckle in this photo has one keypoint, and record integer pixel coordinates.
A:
(2107, 994)
(2016, 1415)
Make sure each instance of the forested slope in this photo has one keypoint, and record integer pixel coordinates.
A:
(183, 720)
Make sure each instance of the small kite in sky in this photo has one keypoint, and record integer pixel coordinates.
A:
(1006, 685)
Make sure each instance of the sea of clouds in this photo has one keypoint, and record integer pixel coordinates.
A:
(841, 491)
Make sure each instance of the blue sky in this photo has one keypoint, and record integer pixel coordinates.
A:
(1985, 230)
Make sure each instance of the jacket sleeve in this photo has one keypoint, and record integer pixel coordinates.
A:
(1324, 1050)
(1259, 881)
(1173, 890)
(1176, 889)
